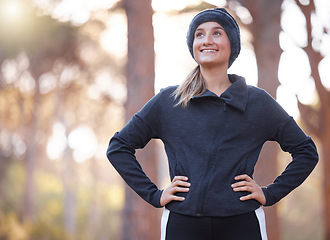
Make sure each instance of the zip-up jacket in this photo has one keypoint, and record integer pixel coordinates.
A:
(211, 141)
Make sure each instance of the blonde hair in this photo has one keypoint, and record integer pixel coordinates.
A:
(193, 85)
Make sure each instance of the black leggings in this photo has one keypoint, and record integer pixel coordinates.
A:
(249, 226)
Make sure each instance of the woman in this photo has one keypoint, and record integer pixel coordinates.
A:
(213, 127)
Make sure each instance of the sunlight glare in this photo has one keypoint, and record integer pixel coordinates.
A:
(116, 46)
(293, 23)
(307, 94)
(57, 142)
(84, 143)
(244, 14)
(172, 5)
(12, 10)
(218, 3)
(79, 11)
(171, 52)
(287, 100)
(26, 82)
(294, 69)
(19, 145)
(105, 84)
(9, 70)
(325, 72)
(248, 71)
(47, 83)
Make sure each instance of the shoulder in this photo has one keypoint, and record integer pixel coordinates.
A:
(260, 96)
(261, 101)
(163, 98)
(168, 90)
(162, 94)
(166, 95)
(257, 92)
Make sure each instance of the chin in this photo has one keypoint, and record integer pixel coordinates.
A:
(209, 64)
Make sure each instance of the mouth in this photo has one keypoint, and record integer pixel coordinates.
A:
(208, 50)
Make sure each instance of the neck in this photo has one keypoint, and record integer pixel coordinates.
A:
(216, 79)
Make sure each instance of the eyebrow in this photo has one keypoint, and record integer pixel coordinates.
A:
(199, 29)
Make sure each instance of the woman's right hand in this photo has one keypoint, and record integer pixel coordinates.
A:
(179, 184)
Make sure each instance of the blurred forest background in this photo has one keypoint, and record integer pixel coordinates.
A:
(72, 73)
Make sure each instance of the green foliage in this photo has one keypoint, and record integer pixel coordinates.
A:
(43, 229)
(54, 60)
(301, 213)
(97, 208)
(11, 228)
(30, 31)
(12, 188)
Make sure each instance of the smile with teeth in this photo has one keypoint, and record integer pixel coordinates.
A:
(208, 50)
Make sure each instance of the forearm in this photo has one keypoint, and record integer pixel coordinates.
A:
(122, 157)
(304, 160)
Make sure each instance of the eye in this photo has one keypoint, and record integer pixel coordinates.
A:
(217, 33)
(199, 34)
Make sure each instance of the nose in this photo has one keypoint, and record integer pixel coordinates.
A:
(208, 40)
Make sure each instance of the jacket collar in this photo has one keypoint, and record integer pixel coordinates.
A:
(235, 96)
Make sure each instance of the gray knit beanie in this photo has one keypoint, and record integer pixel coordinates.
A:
(221, 16)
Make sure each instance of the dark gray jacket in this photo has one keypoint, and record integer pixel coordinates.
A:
(211, 142)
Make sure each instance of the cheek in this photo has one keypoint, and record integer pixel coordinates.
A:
(195, 47)
(227, 44)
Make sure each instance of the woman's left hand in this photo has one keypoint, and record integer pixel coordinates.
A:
(249, 185)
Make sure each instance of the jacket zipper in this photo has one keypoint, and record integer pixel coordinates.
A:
(206, 180)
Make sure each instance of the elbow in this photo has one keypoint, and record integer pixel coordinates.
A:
(118, 147)
(316, 155)
(310, 150)
(111, 147)
(316, 159)
(108, 152)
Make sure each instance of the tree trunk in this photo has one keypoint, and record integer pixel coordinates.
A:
(317, 120)
(140, 220)
(94, 210)
(326, 166)
(266, 29)
(29, 188)
(4, 162)
(264, 175)
(68, 191)
(30, 125)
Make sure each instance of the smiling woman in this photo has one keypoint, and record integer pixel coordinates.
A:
(211, 46)
(213, 127)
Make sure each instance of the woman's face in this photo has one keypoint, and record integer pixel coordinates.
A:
(211, 45)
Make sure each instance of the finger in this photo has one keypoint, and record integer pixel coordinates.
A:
(181, 183)
(243, 177)
(179, 189)
(243, 189)
(260, 199)
(240, 184)
(182, 178)
(176, 198)
(247, 197)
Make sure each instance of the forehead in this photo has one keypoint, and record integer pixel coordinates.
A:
(209, 25)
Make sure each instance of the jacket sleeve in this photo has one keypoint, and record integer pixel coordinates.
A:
(304, 159)
(121, 151)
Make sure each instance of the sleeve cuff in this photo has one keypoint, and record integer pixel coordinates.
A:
(156, 202)
(266, 193)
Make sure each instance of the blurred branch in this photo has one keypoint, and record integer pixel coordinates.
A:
(117, 6)
(197, 8)
(314, 56)
(310, 117)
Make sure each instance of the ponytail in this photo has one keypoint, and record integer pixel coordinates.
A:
(193, 85)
